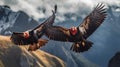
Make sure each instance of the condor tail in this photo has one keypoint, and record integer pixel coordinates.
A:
(81, 46)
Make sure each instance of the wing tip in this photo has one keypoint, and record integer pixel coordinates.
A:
(101, 9)
(55, 9)
(100, 6)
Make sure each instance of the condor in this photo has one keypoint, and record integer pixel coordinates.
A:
(78, 35)
(33, 37)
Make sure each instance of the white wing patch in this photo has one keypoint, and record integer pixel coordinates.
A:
(82, 30)
(35, 33)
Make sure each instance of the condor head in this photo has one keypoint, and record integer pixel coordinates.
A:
(73, 30)
(20, 38)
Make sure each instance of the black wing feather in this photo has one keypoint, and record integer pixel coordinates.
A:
(48, 21)
(93, 20)
(57, 33)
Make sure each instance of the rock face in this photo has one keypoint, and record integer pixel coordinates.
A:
(18, 56)
(115, 60)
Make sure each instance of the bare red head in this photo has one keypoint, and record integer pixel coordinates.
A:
(26, 34)
(73, 30)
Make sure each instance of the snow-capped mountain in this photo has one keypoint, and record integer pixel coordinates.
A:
(7, 18)
(11, 21)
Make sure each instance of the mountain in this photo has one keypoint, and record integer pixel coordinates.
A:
(115, 60)
(18, 56)
(11, 21)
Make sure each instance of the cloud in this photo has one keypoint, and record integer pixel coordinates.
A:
(35, 8)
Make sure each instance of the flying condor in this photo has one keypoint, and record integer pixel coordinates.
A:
(78, 35)
(32, 37)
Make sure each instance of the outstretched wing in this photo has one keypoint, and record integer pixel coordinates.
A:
(93, 20)
(57, 33)
(48, 21)
(39, 30)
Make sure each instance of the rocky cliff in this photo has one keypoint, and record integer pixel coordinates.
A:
(18, 56)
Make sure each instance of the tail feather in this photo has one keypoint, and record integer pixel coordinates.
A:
(81, 46)
(41, 42)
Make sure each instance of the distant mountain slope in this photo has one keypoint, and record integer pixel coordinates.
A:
(18, 56)
(115, 60)
(72, 59)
